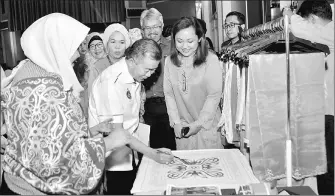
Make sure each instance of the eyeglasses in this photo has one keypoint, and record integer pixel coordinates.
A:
(96, 46)
(230, 25)
(157, 27)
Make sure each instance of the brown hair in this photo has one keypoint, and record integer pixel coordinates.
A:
(202, 50)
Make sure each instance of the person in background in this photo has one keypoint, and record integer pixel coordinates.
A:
(83, 49)
(161, 134)
(96, 58)
(135, 34)
(193, 87)
(116, 40)
(48, 138)
(82, 72)
(234, 25)
(116, 94)
(313, 22)
(94, 47)
(167, 30)
(209, 42)
(90, 57)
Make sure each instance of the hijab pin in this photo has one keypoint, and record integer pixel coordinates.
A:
(128, 94)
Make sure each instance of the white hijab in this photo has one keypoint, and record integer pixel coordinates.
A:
(50, 42)
(111, 29)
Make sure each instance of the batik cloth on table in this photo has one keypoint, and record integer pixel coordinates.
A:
(267, 114)
(226, 168)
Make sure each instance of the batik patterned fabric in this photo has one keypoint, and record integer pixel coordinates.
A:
(222, 167)
(267, 115)
(203, 168)
(49, 142)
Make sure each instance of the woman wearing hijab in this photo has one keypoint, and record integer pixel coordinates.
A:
(95, 47)
(116, 40)
(50, 150)
(95, 52)
(96, 58)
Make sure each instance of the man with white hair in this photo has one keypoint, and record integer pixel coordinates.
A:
(161, 133)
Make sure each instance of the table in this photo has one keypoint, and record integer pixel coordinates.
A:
(227, 168)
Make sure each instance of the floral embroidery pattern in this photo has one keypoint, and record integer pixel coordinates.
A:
(49, 142)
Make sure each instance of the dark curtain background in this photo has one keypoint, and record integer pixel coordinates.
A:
(24, 12)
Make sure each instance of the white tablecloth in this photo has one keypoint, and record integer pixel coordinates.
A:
(222, 167)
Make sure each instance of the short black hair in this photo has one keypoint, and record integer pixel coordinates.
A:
(80, 67)
(167, 30)
(320, 8)
(240, 16)
(143, 47)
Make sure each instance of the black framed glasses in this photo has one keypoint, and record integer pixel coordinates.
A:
(230, 25)
(155, 28)
(96, 46)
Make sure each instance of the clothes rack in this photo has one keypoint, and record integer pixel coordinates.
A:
(272, 37)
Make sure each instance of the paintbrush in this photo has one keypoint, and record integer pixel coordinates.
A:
(172, 155)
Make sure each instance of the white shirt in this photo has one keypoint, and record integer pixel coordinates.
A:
(324, 35)
(115, 94)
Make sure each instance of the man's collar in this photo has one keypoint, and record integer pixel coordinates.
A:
(125, 75)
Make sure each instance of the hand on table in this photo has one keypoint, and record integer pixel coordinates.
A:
(163, 155)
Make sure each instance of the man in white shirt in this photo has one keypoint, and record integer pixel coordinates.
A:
(116, 94)
(314, 23)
